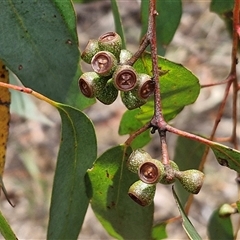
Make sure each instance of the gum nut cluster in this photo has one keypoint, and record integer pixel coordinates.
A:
(111, 73)
(152, 171)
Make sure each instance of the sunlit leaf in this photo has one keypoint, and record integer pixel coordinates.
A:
(78, 151)
(226, 156)
(129, 124)
(188, 155)
(118, 22)
(159, 231)
(220, 228)
(108, 184)
(179, 88)
(187, 225)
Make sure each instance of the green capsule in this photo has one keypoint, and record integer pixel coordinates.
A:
(91, 49)
(104, 63)
(131, 101)
(110, 42)
(151, 171)
(136, 158)
(90, 83)
(145, 86)
(125, 55)
(108, 94)
(142, 193)
(191, 180)
(169, 176)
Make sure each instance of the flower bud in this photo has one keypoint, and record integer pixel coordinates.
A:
(142, 193)
(145, 86)
(131, 101)
(90, 83)
(108, 94)
(125, 78)
(125, 55)
(227, 210)
(104, 63)
(136, 158)
(151, 171)
(91, 49)
(110, 42)
(191, 180)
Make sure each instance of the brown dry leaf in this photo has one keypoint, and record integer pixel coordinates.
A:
(5, 99)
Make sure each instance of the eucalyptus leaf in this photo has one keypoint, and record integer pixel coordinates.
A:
(159, 231)
(78, 151)
(187, 225)
(107, 184)
(167, 21)
(226, 156)
(39, 44)
(220, 228)
(5, 229)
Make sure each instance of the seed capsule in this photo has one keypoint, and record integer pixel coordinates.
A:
(136, 158)
(191, 180)
(91, 49)
(145, 86)
(131, 101)
(227, 210)
(125, 78)
(110, 42)
(104, 63)
(108, 94)
(151, 171)
(169, 175)
(90, 83)
(142, 193)
(125, 55)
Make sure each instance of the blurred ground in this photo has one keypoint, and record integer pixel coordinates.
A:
(201, 44)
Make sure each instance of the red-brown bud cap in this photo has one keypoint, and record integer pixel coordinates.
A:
(104, 63)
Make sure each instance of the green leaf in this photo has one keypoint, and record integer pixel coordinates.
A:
(159, 231)
(187, 225)
(39, 44)
(118, 22)
(220, 228)
(226, 156)
(221, 7)
(78, 151)
(130, 124)
(188, 155)
(5, 229)
(179, 88)
(167, 21)
(108, 184)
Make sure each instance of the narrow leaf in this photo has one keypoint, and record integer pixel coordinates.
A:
(187, 225)
(118, 22)
(221, 7)
(220, 228)
(5, 229)
(226, 156)
(188, 155)
(108, 184)
(39, 44)
(78, 151)
(167, 21)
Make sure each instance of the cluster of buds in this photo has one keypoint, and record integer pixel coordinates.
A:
(111, 73)
(152, 171)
